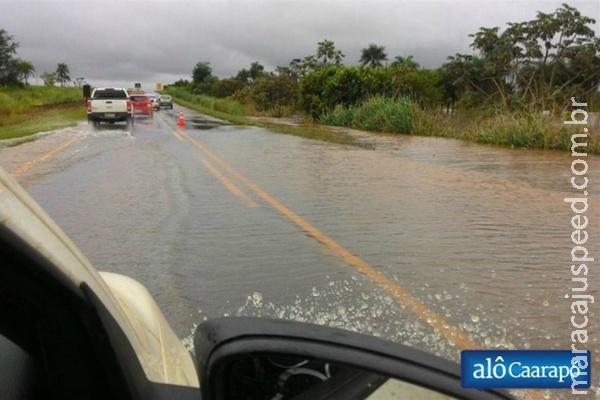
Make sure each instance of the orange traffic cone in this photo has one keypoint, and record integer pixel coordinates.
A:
(181, 121)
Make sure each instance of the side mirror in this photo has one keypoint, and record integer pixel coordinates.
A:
(258, 358)
(87, 91)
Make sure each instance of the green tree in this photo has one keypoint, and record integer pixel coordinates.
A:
(8, 64)
(243, 75)
(405, 63)
(345, 87)
(273, 93)
(539, 63)
(49, 78)
(312, 89)
(226, 87)
(25, 70)
(256, 71)
(62, 74)
(327, 54)
(248, 76)
(373, 56)
(203, 77)
(302, 67)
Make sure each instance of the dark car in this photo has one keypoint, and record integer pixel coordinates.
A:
(165, 101)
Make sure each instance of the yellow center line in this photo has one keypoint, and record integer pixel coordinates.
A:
(178, 136)
(30, 164)
(229, 185)
(452, 334)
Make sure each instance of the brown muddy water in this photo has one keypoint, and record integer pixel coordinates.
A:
(480, 235)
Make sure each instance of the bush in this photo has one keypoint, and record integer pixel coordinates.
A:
(226, 87)
(377, 114)
(274, 93)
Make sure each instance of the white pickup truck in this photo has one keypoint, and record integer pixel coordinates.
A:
(109, 105)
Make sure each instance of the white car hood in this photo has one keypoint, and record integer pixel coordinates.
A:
(161, 354)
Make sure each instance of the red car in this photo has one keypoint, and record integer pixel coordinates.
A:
(141, 104)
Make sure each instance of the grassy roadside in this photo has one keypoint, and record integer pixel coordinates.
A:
(49, 119)
(483, 126)
(26, 111)
(531, 130)
(310, 131)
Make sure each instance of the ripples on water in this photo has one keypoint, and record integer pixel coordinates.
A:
(481, 235)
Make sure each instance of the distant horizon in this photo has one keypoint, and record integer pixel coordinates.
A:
(162, 41)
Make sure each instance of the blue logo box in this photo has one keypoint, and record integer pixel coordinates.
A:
(525, 369)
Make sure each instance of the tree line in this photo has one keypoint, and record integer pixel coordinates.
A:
(529, 66)
(15, 71)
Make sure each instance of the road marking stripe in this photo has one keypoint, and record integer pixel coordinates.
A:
(229, 185)
(452, 334)
(178, 136)
(30, 164)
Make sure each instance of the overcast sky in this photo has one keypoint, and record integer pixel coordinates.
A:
(119, 43)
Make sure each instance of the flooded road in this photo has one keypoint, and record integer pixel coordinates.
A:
(220, 220)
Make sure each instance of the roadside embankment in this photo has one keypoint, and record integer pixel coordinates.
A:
(34, 109)
(222, 110)
(507, 129)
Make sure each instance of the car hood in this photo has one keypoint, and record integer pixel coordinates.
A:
(160, 353)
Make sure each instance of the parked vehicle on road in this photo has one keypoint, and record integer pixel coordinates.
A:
(141, 104)
(165, 101)
(110, 105)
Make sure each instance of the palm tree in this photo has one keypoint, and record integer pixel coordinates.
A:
(373, 56)
(405, 62)
(62, 73)
(25, 70)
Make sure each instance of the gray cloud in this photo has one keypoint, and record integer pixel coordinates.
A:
(160, 41)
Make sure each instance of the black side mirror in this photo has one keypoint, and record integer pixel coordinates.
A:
(258, 358)
(87, 91)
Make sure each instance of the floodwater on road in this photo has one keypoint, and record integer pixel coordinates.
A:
(220, 220)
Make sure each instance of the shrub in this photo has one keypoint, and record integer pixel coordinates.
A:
(274, 93)
(377, 114)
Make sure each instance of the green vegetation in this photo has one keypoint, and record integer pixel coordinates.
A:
(504, 129)
(515, 90)
(377, 114)
(26, 109)
(232, 111)
(32, 109)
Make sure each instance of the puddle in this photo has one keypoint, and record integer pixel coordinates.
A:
(205, 124)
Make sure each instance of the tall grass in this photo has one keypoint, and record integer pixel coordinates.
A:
(497, 127)
(380, 114)
(25, 111)
(377, 114)
(236, 113)
(505, 129)
(17, 103)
